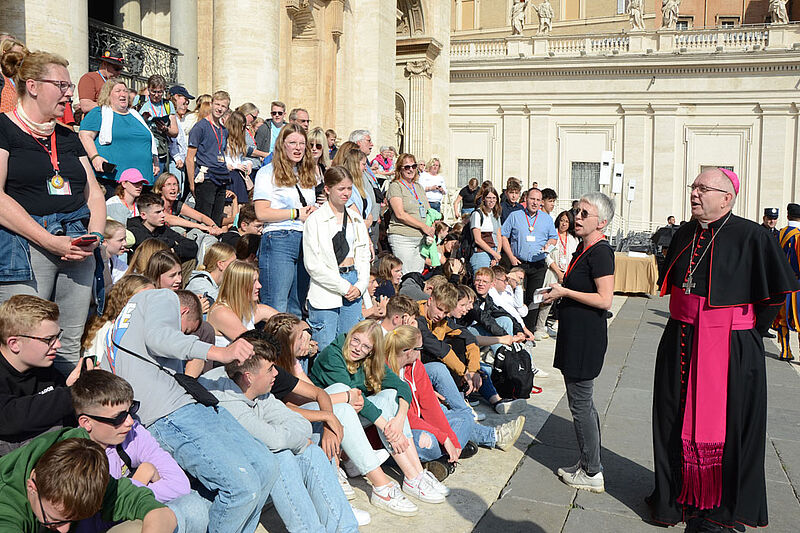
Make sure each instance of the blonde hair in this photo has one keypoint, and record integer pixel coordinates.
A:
(23, 66)
(374, 364)
(5, 48)
(141, 256)
(117, 298)
(236, 289)
(23, 313)
(112, 226)
(162, 180)
(219, 251)
(317, 136)
(236, 125)
(339, 160)
(283, 168)
(202, 99)
(281, 328)
(433, 160)
(400, 339)
(104, 98)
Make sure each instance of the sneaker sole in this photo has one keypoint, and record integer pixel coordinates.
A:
(381, 504)
(517, 433)
(439, 471)
(596, 490)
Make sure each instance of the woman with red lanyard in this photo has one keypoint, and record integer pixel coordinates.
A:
(53, 212)
(557, 261)
(586, 294)
(409, 205)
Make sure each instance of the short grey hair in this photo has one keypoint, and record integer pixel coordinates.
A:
(293, 113)
(384, 148)
(603, 204)
(358, 135)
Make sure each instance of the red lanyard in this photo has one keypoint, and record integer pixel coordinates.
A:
(247, 131)
(52, 152)
(219, 137)
(131, 209)
(563, 243)
(572, 263)
(533, 224)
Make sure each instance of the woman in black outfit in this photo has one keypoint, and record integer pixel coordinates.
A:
(466, 197)
(586, 294)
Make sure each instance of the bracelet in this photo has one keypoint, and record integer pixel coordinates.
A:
(348, 395)
(291, 214)
(100, 237)
(95, 155)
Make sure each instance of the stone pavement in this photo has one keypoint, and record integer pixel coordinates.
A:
(518, 491)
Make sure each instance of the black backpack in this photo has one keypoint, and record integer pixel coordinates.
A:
(512, 375)
(467, 245)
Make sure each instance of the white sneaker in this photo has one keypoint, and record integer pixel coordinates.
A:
(391, 499)
(552, 332)
(362, 517)
(540, 335)
(346, 487)
(479, 417)
(581, 480)
(422, 489)
(438, 485)
(352, 470)
(538, 372)
(507, 434)
(510, 407)
(568, 470)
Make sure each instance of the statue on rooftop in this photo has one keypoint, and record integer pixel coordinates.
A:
(518, 16)
(669, 13)
(777, 12)
(546, 14)
(636, 14)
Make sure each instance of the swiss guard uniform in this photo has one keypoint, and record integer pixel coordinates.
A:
(788, 318)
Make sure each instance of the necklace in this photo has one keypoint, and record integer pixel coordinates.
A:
(688, 285)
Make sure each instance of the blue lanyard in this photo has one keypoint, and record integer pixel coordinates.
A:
(412, 191)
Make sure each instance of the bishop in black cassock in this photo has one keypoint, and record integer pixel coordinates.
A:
(710, 393)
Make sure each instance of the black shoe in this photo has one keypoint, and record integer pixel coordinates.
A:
(609, 315)
(469, 450)
(768, 335)
(440, 468)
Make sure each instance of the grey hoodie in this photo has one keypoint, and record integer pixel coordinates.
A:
(266, 418)
(150, 326)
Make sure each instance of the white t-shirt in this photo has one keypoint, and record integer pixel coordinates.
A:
(429, 180)
(280, 198)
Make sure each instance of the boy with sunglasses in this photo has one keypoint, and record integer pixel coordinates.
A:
(105, 408)
(34, 396)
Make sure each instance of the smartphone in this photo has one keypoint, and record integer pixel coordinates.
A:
(538, 294)
(85, 240)
(108, 168)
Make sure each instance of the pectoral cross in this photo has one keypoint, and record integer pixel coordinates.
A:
(688, 285)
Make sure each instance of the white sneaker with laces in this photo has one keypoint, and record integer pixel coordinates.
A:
(507, 434)
(479, 417)
(391, 499)
(564, 470)
(346, 487)
(422, 489)
(438, 485)
(581, 480)
(509, 407)
(362, 517)
(538, 372)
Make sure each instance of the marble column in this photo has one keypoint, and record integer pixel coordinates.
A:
(636, 151)
(35, 27)
(777, 153)
(516, 146)
(539, 156)
(419, 78)
(183, 36)
(128, 15)
(245, 54)
(668, 195)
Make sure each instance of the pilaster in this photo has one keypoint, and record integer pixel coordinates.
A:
(183, 36)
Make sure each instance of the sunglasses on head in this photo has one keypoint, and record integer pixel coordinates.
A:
(118, 420)
(409, 167)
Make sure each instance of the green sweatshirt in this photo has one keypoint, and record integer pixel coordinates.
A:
(123, 501)
(330, 367)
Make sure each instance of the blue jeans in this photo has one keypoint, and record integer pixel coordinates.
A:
(480, 260)
(191, 510)
(467, 210)
(213, 447)
(284, 280)
(309, 481)
(466, 429)
(327, 324)
(436, 205)
(443, 383)
(354, 443)
(503, 321)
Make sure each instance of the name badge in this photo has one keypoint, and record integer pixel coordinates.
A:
(422, 212)
(530, 238)
(220, 159)
(58, 186)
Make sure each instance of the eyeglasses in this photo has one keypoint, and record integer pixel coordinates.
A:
(296, 144)
(49, 340)
(276, 113)
(586, 214)
(303, 121)
(703, 189)
(45, 522)
(118, 420)
(64, 86)
(317, 146)
(414, 349)
(355, 342)
(409, 167)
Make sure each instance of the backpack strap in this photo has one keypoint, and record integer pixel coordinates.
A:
(126, 459)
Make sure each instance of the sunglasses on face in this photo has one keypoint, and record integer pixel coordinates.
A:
(317, 146)
(585, 214)
(277, 113)
(409, 167)
(118, 420)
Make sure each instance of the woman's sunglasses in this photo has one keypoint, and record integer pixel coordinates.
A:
(409, 167)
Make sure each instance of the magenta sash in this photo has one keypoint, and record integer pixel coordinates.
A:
(703, 431)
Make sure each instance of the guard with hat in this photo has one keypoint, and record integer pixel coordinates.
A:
(112, 63)
(770, 219)
(788, 318)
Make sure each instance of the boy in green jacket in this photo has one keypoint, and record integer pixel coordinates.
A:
(62, 477)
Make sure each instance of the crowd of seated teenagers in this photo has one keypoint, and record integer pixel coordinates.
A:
(414, 428)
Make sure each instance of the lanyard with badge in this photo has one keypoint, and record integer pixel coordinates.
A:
(56, 184)
(531, 237)
(563, 259)
(220, 138)
(413, 190)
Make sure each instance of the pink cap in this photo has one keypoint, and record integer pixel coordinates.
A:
(733, 177)
(132, 175)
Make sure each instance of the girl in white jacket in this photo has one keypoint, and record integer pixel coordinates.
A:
(336, 254)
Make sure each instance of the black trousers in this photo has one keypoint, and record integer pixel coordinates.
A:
(534, 278)
(210, 200)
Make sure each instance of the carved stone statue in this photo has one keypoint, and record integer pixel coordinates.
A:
(546, 14)
(518, 16)
(636, 14)
(777, 12)
(669, 13)
(399, 132)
